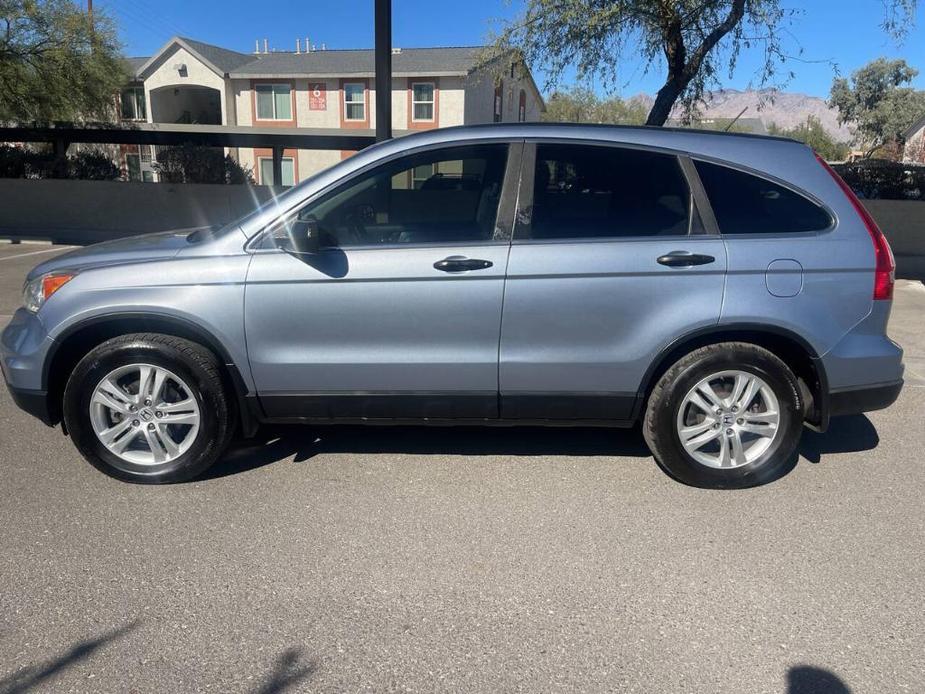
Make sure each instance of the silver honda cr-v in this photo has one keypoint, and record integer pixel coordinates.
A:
(723, 290)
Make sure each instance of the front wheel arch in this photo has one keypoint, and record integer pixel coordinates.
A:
(80, 339)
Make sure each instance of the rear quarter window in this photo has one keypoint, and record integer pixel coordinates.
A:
(747, 204)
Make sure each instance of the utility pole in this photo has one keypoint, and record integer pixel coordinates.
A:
(383, 23)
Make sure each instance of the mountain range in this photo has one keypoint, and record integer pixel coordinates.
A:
(786, 109)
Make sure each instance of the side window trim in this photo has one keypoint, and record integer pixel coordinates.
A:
(524, 216)
(504, 221)
(700, 200)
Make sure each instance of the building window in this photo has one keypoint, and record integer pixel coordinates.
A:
(422, 101)
(266, 171)
(499, 103)
(133, 167)
(522, 107)
(133, 104)
(354, 101)
(274, 102)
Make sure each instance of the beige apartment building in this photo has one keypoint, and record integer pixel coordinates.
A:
(189, 81)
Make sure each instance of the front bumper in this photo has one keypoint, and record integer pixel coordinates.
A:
(24, 348)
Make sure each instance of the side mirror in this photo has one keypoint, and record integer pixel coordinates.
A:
(306, 236)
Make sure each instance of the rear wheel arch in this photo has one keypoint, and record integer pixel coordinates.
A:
(792, 349)
(78, 340)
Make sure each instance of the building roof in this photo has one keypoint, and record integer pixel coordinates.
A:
(914, 128)
(222, 58)
(418, 61)
(218, 59)
(429, 62)
(134, 65)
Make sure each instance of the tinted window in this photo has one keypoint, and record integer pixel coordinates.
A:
(587, 191)
(746, 204)
(445, 196)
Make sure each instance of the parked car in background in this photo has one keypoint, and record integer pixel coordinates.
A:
(723, 290)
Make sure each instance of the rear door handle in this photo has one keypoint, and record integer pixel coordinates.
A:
(460, 263)
(685, 259)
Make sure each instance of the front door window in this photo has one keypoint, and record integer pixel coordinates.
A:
(445, 196)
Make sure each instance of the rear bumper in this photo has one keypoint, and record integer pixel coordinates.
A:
(35, 402)
(857, 400)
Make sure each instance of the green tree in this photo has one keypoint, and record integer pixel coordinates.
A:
(877, 104)
(691, 41)
(55, 64)
(812, 133)
(581, 105)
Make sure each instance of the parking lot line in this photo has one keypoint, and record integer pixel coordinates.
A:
(46, 250)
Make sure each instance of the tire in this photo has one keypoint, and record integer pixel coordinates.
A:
(758, 458)
(190, 381)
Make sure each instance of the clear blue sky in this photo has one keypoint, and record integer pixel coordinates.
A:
(846, 31)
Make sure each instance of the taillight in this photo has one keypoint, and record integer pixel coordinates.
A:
(885, 266)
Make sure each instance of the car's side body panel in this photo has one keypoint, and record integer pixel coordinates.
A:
(347, 332)
(583, 321)
(205, 290)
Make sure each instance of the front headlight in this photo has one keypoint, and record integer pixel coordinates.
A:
(36, 292)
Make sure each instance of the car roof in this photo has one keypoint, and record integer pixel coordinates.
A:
(778, 157)
(651, 133)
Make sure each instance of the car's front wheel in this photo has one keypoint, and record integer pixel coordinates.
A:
(148, 408)
(727, 415)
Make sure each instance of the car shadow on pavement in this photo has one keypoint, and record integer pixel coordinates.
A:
(806, 679)
(299, 442)
(853, 434)
(275, 443)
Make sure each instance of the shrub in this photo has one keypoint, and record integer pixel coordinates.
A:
(192, 164)
(92, 165)
(886, 180)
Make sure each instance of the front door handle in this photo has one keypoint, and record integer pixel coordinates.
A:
(685, 259)
(460, 263)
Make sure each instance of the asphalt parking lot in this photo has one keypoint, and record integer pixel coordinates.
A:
(414, 559)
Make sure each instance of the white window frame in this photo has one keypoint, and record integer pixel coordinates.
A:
(260, 161)
(432, 102)
(144, 100)
(272, 86)
(354, 103)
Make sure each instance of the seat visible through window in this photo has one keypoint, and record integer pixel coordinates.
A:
(601, 192)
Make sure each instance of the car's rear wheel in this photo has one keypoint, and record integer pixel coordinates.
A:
(727, 415)
(148, 408)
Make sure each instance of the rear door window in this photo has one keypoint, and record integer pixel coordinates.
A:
(747, 204)
(587, 191)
